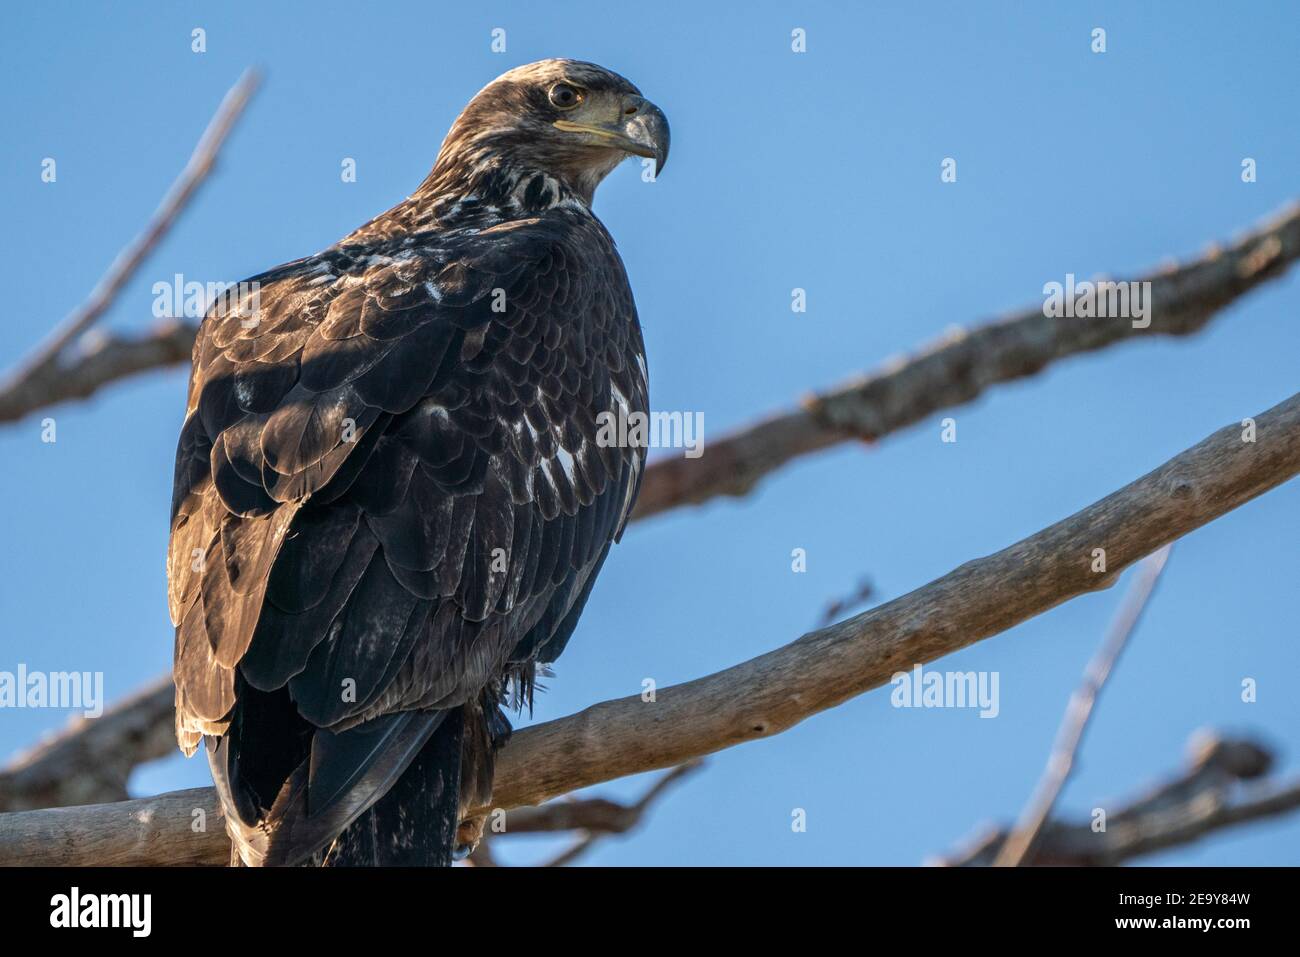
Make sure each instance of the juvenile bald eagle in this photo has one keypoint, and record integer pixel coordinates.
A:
(390, 501)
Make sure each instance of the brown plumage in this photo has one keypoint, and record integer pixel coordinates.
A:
(390, 502)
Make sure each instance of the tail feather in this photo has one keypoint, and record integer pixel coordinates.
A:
(415, 823)
(353, 769)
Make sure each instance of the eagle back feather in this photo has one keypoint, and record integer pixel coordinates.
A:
(389, 492)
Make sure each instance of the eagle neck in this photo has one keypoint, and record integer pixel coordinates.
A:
(474, 195)
(511, 190)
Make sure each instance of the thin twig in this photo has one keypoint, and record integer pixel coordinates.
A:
(1225, 785)
(45, 358)
(593, 818)
(837, 608)
(1069, 737)
(631, 818)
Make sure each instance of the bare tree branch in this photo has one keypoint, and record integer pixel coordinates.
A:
(41, 379)
(775, 691)
(1069, 737)
(1207, 797)
(838, 607)
(595, 817)
(90, 762)
(100, 362)
(983, 597)
(178, 828)
(953, 371)
(630, 820)
(959, 367)
(599, 815)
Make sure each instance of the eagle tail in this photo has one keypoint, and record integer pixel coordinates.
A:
(415, 823)
(340, 779)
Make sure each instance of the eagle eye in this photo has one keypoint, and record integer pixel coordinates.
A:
(565, 97)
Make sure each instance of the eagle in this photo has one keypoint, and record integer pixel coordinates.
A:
(392, 495)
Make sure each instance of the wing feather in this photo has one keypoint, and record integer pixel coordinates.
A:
(393, 481)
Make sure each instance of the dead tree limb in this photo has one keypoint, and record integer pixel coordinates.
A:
(177, 828)
(593, 818)
(43, 378)
(1223, 786)
(1020, 845)
(773, 692)
(959, 367)
(91, 761)
(97, 363)
(837, 608)
(597, 815)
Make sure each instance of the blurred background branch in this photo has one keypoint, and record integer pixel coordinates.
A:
(44, 378)
(1226, 783)
(592, 818)
(91, 760)
(1020, 845)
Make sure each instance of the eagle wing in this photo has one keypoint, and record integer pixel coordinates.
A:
(390, 492)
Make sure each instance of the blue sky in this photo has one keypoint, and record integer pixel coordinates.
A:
(817, 170)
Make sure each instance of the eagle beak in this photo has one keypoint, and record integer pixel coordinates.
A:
(646, 129)
(641, 129)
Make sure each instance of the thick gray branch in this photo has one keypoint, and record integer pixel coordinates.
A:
(181, 827)
(775, 691)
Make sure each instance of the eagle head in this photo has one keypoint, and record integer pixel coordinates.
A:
(566, 119)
